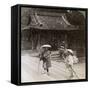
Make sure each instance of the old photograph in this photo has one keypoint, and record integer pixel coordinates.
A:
(53, 44)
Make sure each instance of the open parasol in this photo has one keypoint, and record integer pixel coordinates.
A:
(46, 46)
(71, 51)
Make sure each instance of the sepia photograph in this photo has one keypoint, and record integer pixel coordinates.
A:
(53, 44)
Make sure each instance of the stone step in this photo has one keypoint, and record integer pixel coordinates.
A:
(55, 54)
(55, 57)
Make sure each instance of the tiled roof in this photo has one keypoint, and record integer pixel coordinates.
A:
(47, 19)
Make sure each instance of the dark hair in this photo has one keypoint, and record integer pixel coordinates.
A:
(70, 53)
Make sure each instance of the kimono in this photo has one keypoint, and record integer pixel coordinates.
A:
(47, 61)
(69, 60)
(45, 57)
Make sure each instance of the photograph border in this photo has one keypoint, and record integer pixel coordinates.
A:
(19, 43)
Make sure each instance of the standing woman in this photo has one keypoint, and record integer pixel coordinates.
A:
(45, 57)
(47, 61)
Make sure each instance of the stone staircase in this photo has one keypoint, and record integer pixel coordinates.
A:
(55, 56)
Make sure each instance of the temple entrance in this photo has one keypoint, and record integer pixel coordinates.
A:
(54, 38)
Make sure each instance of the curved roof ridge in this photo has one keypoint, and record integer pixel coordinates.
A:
(65, 20)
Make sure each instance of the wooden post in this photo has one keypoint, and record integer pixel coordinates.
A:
(32, 39)
(38, 44)
(66, 42)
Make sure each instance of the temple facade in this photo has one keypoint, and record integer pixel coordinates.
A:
(51, 26)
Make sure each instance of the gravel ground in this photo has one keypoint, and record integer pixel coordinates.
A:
(32, 71)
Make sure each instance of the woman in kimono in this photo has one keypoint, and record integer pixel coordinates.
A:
(69, 61)
(45, 57)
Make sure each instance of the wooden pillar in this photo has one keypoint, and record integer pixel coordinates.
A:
(32, 40)
(66, 42)
(38, 44)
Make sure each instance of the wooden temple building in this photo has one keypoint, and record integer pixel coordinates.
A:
(51, 26)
